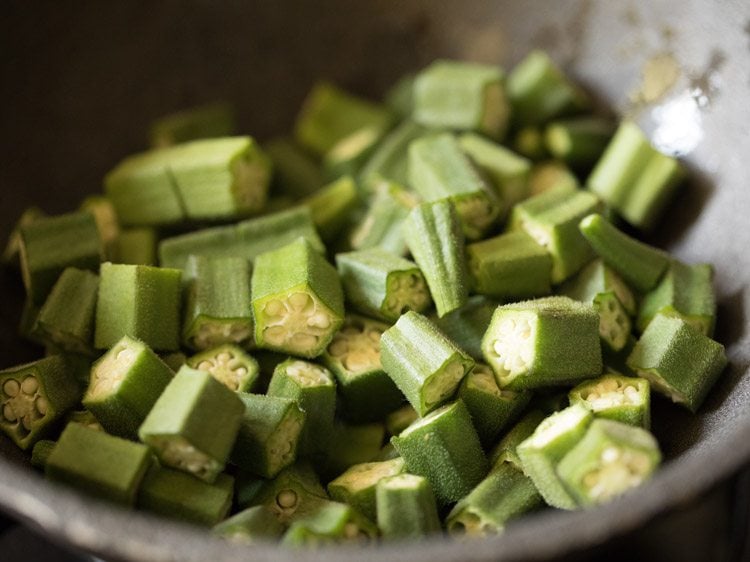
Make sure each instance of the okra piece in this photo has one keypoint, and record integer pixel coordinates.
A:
(400, 419)
(217, 302)
(174, 360)
(685, 291)
(549, 175)
(465, 326)
(406, 507)
(609, 460)
(201, 122)
(544, 342)
(438, 169)
(269, 434)
(229, 365)
(542, 452)
(67, 317)
(297, 300)
(314, 389)
(136, 246)
(425, 365)
(679, 361)
(295, 492)
(529, 143)
(35, 396)
(356, 486)
(510, 266)
(99, 464)
(634, 178)
(491, 409)
(381, 226)
(257, 523)
(295, 173)
(84, 417)
(551, 219)
(400, 97)
(177, 495)
(106, 222)
(349, 154)
(539, 91)
(180, 432)
(330, 114)
(389, 161)
(580, 141)
(13, 247)
(435, 239)
(616, 397)
(352, 445)
(330, 522)
(505, 450)
(331, 206)
(381, 284)
(444, 448)
(49, 245)
(639, 264)
(139, 301)
(27, 322)
(353, 356)
(463, 96)
(505, 494)
(40, 453)
(246, 488)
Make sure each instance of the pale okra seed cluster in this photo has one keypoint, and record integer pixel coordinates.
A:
(405, 292)
(23, 403)
(281, 443)
(513, 346)
(226, 368)
(108, 375)
(611, 392)
(442, 384)
(179, 453)
(357, 348)
(470, 524)
(308, 374)
(619, 470)
(475, 211)
(297, 321)
(211, 334)
(613, 321)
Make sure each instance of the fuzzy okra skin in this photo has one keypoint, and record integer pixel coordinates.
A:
(444, 448)
(352, 445)
(40, 453)
(257, 523)
(389, 161)
(297, 300)
(406, 507)
(331, 206)
(357, 485)
(616, 397)
(466, 325)
(505, 450)
(329, 522)
(425, 365)
(11, 253)
(201, 122)
(228, 364)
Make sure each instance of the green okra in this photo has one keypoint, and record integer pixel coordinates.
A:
(180, 432)
(200, 122)
(229, 365)
(106, 222)
(353, 356)
(425, 365)
(444, 448)
(679, 361)
(356, 486)
(257, 523)
(217, 302)
(49, 245)
(406, 507)
(389, 161)
(83, 417)
(510, 266)
(331, 206)
(616, 397)
(295, 173)
(400, 419)
(27, 322)
(634, 178)
(12, 251)
(381, 226)
(465, 326)
(67, 317)
(35, 396)
(139, 301)
(639, 264)
(434, 237)
(174, 360)
(505, 450)
(124, 385)
(136, 246)
(439, 169)
(463, 96)
(294, 492)
(330, 114)
(491, 409)
(579, 141)
(314, 388)
(529, 143)
(330, 522)
(609, 460)
(549, 175)
(349, 154)
(269, 434)
(400, 97)
(381, 284)
(542, 452)
(40, 453)
(505, 494)
(99, 464)
(685, 291)
(544, 342)
(352, 445)
(551, 219)
(177, 495)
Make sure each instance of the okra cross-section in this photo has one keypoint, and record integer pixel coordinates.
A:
(297, 300)
(357, 485)
(615, 397)
(425, 365)
(406, 507)
(295, 491)
(329, 522)
(228, 364)
(544, 342)
(381, 225)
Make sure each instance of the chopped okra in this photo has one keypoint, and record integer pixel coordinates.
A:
(615, 397)
(257, 523)
(294, 492)
(329, 522)
(229, 365)
(331, 205)
(202, 122)
(406, 507)
(466, 325)
(381, 226)
(357, 485)
(352, 445)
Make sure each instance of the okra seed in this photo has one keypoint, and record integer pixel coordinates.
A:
(9, 414)
(11, 387)
(241, 372)
(319, 320)
(300, 301)
(41, 405)
(287, 499)
(205, 365)
(274, 308)
(26, 421)
(610, 454)
(29, 385)
(303, 340)
(338, 347)
(224, 357)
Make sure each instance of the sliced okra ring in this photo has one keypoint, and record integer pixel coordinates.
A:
(616, 397)
(177, 495)
(105, 216)
(406, 507)
(356, 486)
(330, 522)
(381, 226)
(400, 419)
(99, 464)
(544, 342)
(125, 384)
(332, 205)
(381, 284)
(314, 389)
(34, 397)
(439, 169)
(609, 460)
(217, 302)
(436, 241)
(352, 445)
(466, 325)
(349, 154)
(505, 450)
(685, 291)
(201, 122)
(510, 266)
(297, 300)
(550, 174)
(13, 247)
(679, 361)
(257, 523)
(172, 431)
(541, 453)
(491, 409)
(444, 447)
(136, 246)
(294, 492)
(506, 493)
(389, 162)
(462, 95)
(295, 173)
(425, 365)
(578, 141)
(41, 451)
(139, 301)
(229, 365)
